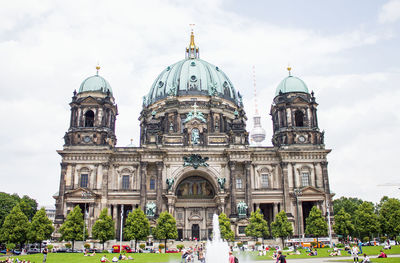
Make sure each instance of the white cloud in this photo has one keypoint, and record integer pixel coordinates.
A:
(48, 48)
(390, 12)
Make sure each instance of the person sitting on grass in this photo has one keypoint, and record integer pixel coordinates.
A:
(104, 259)
(366, 259)
(382, 255)
(114, 259)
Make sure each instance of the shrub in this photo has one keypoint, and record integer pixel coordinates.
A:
(339, 245)
(142, 246)
(398, 239)
(104, 251)
(240, 244)
(258, 243)
(366, 239)
(50, 247)
(68, 245)
(180, 246)
(86, 245)
(285, 248)
(161, 246)
(313, 244)
(10, 246)
(383, 239)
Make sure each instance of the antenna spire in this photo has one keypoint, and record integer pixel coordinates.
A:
(255, 91)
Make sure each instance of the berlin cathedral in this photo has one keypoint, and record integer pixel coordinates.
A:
(194, 157)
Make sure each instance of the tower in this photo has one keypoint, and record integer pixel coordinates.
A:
(93, 114)
(257, 133)
(294, 114)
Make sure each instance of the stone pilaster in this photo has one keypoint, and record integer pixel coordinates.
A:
(285, 187)
(232, 187)
(275, 209)
(143, 189)
(160, 167)
(96, 168)
(61, 192)
(248, 197)
(324, 166)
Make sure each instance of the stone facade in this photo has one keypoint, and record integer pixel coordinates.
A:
(194, 160)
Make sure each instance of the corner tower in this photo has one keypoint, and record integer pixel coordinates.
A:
(93, 114)
(294, 114)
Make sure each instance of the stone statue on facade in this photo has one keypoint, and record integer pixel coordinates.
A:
(221, 183)
(195, 160)
(170, 183)
(150, 209)
(242, 209)
(195, 136)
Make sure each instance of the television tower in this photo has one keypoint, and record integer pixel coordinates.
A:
(257, 133)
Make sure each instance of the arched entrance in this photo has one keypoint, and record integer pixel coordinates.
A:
(195, 203)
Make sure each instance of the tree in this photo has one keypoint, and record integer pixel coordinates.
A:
(257, 227)
(281, 227)
(28, 206)
(72, 228)
(7, 202)
(165, 228)
(389, 216)
(316, 224)
(137, 226)
(366, 221)
(40, 228)
(15, 227)
(343, 224)
(349, 204)
(225, 227)
(104, 227)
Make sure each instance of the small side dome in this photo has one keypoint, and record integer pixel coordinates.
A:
(291, 84)
(95, 83)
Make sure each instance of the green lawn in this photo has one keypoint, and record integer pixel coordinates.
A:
(78, 257)
(373, 260)
(324, 252)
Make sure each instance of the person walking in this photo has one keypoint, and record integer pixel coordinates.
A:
(44, 254)
(231, 257)
(280, 258)
(354, 253)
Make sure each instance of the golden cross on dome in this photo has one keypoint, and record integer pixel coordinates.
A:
(97, 68)
(289, 68)
(191, 27)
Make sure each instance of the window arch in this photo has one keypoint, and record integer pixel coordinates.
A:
(195, 187)
(89, 118)
(299, 118)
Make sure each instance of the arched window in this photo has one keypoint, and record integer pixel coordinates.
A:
(239, 184)
(298, 118)
(305, 179)
(84, 180)
(125, 182)
(264, 180)
(89, 118)
(152, 184)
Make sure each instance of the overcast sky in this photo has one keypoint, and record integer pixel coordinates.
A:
(346, 51)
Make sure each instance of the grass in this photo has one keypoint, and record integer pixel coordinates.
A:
(324, 252)
(78, 257)
(373, 260)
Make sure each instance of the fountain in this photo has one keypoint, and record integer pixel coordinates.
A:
(217, 250)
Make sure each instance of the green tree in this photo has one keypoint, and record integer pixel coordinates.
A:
(7, 203)
(104, 227)
(165, 228)
(366, 221)
(225, 227)
(257, 227)
(28, 206)
(389, 216)
(343, 224)
(137, 226)
(281, 227)
(316, 224)
(40, 228)
(72, 228)
(349, 204)
(15, 227)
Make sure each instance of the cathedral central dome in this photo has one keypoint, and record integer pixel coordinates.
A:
(191, 76)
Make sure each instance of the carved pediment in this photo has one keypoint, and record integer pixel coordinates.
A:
(80, 192)
(299, 99)
(89, 100)
(311, 190)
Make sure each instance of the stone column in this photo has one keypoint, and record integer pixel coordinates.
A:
(324, 166)
(94, 186)
(143, 189)
(104, 185)
(232, 187)
(285, 187)
(160, 167)
(301, 218)
(61, 192)
(73, 168)
(275, 209)
(115, 215)
(315, 175)
(248, 197)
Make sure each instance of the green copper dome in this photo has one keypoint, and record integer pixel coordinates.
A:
(291, 84)
(191, 76)
(95, 83)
